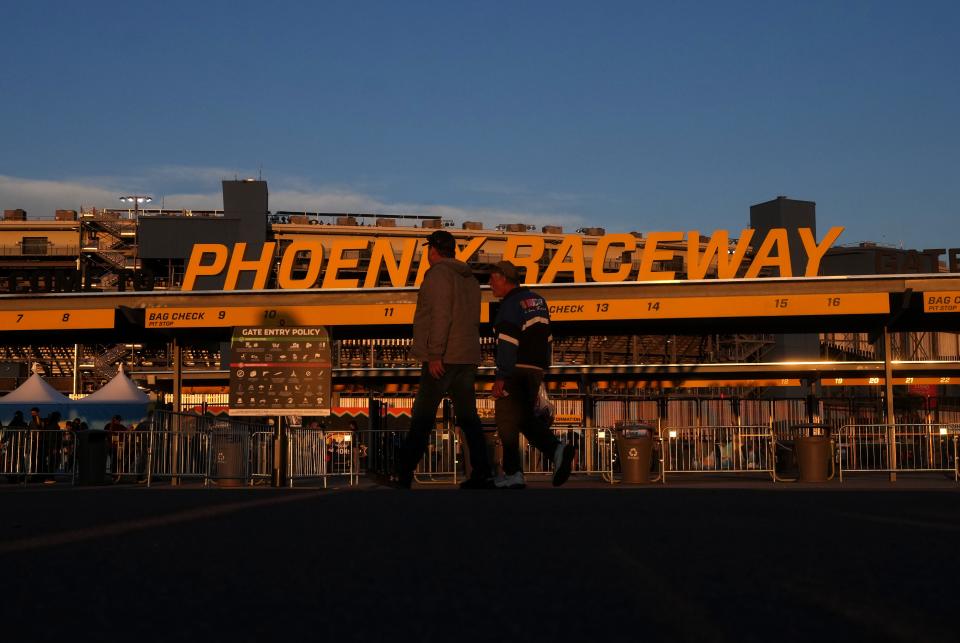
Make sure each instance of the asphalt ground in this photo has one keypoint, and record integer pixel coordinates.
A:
(696, 561)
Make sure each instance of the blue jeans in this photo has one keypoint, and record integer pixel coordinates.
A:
(457, 381)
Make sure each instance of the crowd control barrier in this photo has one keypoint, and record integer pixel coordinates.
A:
(717, 449)
(898, 448)
(40, 453)
(320, 455)
(593, 453)
(183, 447)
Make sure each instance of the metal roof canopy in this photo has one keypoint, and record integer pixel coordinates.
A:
(905, 308)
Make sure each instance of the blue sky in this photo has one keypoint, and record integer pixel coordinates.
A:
(627, 115)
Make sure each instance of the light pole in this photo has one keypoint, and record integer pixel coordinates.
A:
(136, 200)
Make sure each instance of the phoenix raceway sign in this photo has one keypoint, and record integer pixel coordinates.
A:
(611, 258)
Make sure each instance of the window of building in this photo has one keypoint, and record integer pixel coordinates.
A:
(34, 245)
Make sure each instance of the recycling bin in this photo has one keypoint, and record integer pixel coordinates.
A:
(634, 451)
(229, 458)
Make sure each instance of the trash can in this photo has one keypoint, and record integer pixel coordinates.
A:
(813, 452)
(91, 460)
(228, 468)
(634, 450)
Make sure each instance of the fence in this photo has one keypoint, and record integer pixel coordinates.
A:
(207, 450)
(444, 459)
(717, 449)
(240, 453)
(41, 453)
(378, 452)
(322, 455)
(898, 448)
(593, 453)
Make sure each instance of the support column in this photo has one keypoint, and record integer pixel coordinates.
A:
(176, 355)
(76, 368)
(888, 394)
(587, 402)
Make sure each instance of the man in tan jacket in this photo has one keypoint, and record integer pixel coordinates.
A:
(446, 340)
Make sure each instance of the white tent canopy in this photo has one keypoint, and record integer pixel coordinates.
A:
(120, 390)
(120, 396)
(34, 391)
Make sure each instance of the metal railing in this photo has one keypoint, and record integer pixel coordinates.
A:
(39, 250)
(189, 447)
(378, 452)
(440, 463)
(717, 449)
(34, 452)
(178, 455)
(320, 455)
(128, 453)
(898, 448)
(593, 453)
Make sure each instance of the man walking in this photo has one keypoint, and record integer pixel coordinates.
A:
(522, 329)
(446, 340)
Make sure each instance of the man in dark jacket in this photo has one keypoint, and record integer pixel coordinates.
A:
(446, 340)
(522, 329)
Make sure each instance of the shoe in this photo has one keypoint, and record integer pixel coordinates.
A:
(512, 481)
(563, 460)
(477, 483)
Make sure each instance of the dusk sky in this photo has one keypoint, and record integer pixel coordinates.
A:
(626, 115)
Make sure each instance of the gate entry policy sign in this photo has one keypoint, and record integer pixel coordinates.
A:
(280, 371)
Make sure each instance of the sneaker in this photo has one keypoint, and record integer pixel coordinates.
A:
(563, 461)
(477, 483)
(512, 481)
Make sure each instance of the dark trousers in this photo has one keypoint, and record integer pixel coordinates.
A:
(515, 415)
(457, 381)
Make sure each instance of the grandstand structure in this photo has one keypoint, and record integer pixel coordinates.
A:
(136, 263)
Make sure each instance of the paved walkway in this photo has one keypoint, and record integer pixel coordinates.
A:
(694, 561)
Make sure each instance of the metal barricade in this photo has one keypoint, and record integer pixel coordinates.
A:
(262, 455)
(439, 463)
(37, 452)
(341, 456)
(179, 454)
(898, 448)
(14, 454)
(185, 446)
(322, 455)
(377, 453)
(128, 454)
(306, 455)
(717, 449)
(593, 453)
